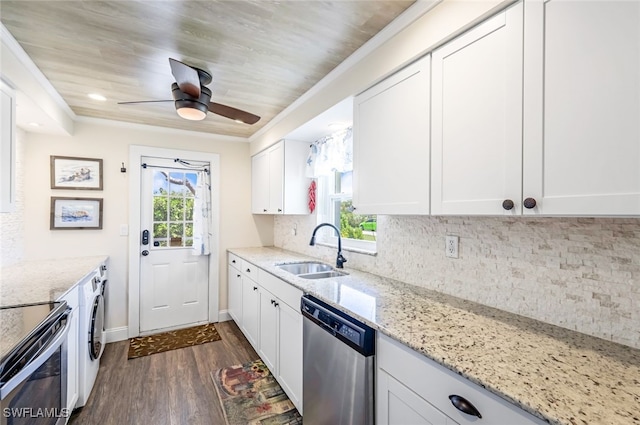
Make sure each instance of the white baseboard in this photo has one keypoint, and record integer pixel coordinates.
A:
(224, 316)
(117, 334)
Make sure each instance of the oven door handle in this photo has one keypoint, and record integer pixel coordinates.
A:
(32, 366)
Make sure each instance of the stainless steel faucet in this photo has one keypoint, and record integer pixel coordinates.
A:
(340, 260)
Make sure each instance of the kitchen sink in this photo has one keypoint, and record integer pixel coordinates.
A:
(321, 275)
(311, 270)
(305, 268)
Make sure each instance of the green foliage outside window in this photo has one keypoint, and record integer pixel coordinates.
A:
(350, 223)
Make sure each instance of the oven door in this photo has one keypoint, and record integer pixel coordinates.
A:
(37, 393)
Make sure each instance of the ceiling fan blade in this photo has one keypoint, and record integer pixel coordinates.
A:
(144, 101)
(233, 113)
(186, 77)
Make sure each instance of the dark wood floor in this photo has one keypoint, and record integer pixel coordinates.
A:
(170, 388)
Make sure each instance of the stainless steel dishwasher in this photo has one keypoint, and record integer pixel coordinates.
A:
(338, 365)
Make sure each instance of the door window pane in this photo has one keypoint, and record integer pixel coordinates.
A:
(173, 200)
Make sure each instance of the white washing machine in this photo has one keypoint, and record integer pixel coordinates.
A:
(92, 334)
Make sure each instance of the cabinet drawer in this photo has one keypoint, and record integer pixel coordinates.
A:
(235, 261)
(249, 270)
(435, 383)
(287, 293)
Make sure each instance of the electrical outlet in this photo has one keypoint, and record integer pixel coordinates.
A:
(451, 248)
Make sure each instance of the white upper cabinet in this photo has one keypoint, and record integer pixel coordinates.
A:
(582, 107)
(477, 119)
(7, 148)
(391, 144)
(278, 181)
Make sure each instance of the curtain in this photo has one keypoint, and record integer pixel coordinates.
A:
(201, 214)
(330, 154)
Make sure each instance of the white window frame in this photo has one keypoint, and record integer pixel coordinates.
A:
(326, 212)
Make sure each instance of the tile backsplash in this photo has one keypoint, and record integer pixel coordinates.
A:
(579, 273)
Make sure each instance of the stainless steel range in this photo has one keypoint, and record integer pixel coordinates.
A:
(33, 364)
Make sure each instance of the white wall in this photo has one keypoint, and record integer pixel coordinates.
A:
(111, 141)
(579, 273)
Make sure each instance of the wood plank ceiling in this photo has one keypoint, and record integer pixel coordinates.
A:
(263, 55)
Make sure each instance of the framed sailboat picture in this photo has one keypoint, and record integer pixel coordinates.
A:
(76, 213)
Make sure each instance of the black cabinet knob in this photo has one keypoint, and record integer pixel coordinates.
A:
(264, 210)
(248, 270)
(255, 288)
(464, 405)
(507, 204)
(529, 203)
(279, 209)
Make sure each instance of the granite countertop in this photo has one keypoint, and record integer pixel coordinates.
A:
(559, 375)
(43, 280)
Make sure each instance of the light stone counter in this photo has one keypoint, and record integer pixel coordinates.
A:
(43, 280)
(559, 375)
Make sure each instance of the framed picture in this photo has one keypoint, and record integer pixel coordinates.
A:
(76, 173)
(76, 213)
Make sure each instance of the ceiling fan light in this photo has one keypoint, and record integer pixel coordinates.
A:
(191, 114)
(191, 110)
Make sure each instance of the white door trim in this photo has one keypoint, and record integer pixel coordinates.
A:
(135, 154)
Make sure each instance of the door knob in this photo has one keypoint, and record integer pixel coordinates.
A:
(145, 253)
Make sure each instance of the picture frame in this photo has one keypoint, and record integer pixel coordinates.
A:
(76, 213)
(69, 172)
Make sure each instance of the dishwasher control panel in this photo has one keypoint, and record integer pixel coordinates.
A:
(338, 323)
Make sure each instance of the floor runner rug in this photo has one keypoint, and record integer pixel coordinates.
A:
(250, 395)
(158, 343)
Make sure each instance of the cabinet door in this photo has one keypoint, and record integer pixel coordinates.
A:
(391, 144)
(477, 119)
(398, 405)
(268, 347)
(260, 183)
(290, 353)
(7, 148)
(582, 103)
(250, 310)
(276, 179)
(234, 279)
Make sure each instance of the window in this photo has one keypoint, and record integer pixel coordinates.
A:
(334, 198)
(173, 198)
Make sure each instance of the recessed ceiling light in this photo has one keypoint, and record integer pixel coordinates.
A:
(96, 96)
(34, 124)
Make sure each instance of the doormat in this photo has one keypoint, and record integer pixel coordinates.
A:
(158, 343)
(249, 394)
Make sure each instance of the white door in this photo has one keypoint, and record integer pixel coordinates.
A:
(582, 107)
(391, 144)
(476, 127)
(173, 281)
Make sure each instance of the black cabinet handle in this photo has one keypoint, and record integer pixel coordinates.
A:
(239, 275)
(279, 209)
(233, 261)
(529, 203)
(264, 210)
(248, 270)
(273, 301)
(507, 204)
(463, 405)
(275, 304)
(255, 288)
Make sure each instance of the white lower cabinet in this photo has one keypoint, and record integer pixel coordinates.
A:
(267, 310)
(250, 309)
(280, 344)
(412, 389)
(235, 290)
